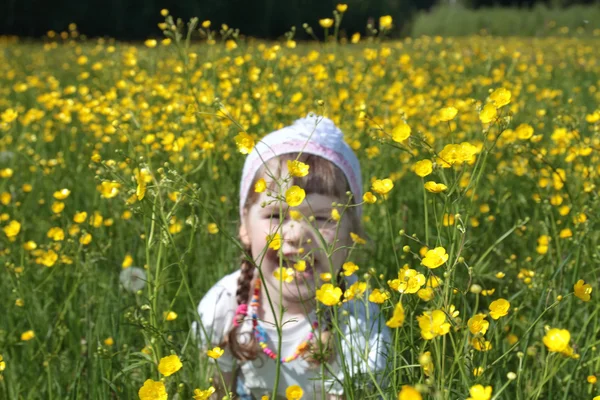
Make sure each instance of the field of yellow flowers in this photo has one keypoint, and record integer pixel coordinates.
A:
(119, 169)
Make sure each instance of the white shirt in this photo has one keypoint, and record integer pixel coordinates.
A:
(368, 336)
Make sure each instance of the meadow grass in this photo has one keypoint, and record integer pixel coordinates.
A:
(142, 140)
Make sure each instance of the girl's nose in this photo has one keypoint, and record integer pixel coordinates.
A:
(293, 237)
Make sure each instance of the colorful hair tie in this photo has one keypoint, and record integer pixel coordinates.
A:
(242, 309)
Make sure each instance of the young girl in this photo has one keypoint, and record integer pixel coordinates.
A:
(276, 289)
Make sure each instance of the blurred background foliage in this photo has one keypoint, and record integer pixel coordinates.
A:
(137, 19)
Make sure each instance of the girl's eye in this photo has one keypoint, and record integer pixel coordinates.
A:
(322, 218)
(273, 216)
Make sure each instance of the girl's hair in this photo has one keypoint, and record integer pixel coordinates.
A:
(324, 178)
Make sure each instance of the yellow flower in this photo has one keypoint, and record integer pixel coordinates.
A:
(385, 22)
(274, 241)
(524, 131)
(62, 194)
(478, 325)
(434, 187)
(325, 276)
(215, 353)
(447, 114)
(477, 371)
(300, 266)
(329, 294)
(151, 43)
(499, 308)
(284, 274)
(356, 289)
(294, 392)
(57, 207)
(357, 239)
(5, 198)
(583, 290)
(349, 268)
(127, 261)
(28, 335)
(12, 229)
(109, 341)
(80, 217)
(212, 228)
(500, 97)
(434, 258)
(488, 114)
(478, 392)
(401, 132)
(142, 176)
(294, 196)
(382, 186)
(426, 363)
(370, 198)
(47, 258)
(342, 7)
(397, 318)
(169, 365)
(433, 324)
(85, 239)
(423, 168)
(153, 390)
(2, 364)
(326, 22)
(355, 38)
(56, 234)
(260, 186)
(409, 393)
(295, 215)
(108, 190)
(565, 233)
(335, 214)
(244, 143)
(378, 297)
(203, 394)
(480, 344)
(206, 24)
(297, 168)
(170, 315)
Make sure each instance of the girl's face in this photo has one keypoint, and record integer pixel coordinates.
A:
(300, 240)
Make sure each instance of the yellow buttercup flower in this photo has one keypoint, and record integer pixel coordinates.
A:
(203, 394)
(80, 217)
(297, 168)
(423, 168)
(435, 258)
(294, 392)
(447, 114)
(433, 324)
(397, 318)
(434, 187)
(582, 290)
(284, 274)
(169, 365)
(212, 228)
(349, 268)
(370, 198)
(62, 194)
(479, 392)
(326, 22)
(153, 390)
(500, 97)
(478, 325)
(329, 294)
(401, 132)
(385, 22)
(244, 143)
(85, 239)
(108, 190)
(56, 233)
(294, 196)
(409, 393)
(488, 114)
(300, 266)
(170, 316)
(215, 353)
(426, 363)
(342, 7)
(524, 131)
(27, 335)
(355, 290)
(12, 229)
(378, 297)
(382, 186)
(109, 341)
(127, 261)
(499, 308)
(260, 185)
(274, 241)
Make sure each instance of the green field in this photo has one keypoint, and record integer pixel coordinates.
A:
(80, 119)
